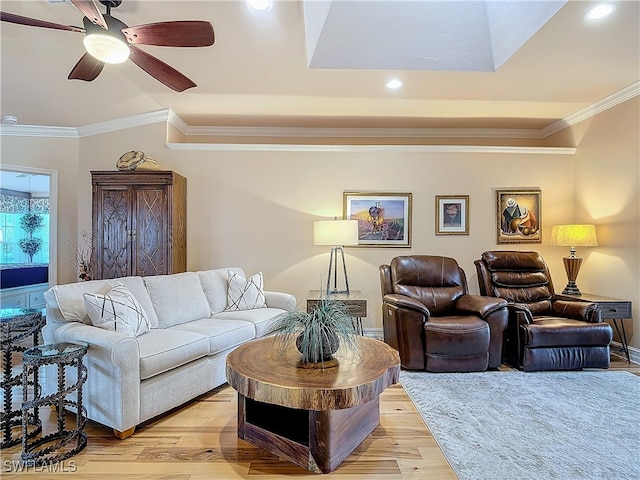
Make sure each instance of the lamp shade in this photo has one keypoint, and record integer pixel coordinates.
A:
(574, 236)
(335, 232)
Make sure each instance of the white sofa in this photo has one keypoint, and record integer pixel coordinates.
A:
(133, 379)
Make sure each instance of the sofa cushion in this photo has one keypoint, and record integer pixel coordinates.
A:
(68, 298)
(261, 318)
(245, 294)
(222, 334)
(214, 285)
(177, 298)
(118, 311)
(162, 350)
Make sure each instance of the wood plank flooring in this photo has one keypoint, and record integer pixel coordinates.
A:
(199, 442)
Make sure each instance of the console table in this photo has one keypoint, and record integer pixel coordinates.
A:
(312, 417)
(354, 301)
(612, 309)
(16, 325)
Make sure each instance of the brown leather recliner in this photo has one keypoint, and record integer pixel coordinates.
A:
(544, 333)
(433, 322)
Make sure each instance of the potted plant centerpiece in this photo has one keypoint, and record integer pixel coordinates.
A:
(318, 333)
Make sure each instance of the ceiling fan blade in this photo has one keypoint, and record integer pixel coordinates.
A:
(90, 10)
(160, 70)
(182, 33)
(88, 68)
(32, 22)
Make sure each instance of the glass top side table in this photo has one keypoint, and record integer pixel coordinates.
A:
(65, 442)
(16, 326)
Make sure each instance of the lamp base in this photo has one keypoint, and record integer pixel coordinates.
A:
(572, 267)
(333, 272)
(571, 289)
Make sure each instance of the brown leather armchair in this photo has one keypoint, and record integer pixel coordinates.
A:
(544, 333)
(433, 322)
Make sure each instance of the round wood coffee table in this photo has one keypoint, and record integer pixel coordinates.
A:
(311, 417)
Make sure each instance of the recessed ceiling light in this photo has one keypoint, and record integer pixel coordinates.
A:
(393, 84)
(600, 11)
(260, 5)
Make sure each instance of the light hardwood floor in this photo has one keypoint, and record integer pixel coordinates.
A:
(198, 442)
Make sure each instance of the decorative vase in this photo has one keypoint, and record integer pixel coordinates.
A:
(330, 344)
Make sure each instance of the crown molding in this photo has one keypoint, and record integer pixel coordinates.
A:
(38, 131)
(167, 115)
(286, 147)
(124, 123)
(374, 132)
(606, 103)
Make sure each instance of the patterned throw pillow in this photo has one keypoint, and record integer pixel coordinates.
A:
(243, 294)
(118, 310)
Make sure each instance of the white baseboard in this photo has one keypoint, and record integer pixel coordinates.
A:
(634, 353)
(374, 333)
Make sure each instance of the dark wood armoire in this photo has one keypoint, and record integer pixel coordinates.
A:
(139, 223)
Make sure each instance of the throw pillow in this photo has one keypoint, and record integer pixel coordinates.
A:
(118, 310)
(243, 294)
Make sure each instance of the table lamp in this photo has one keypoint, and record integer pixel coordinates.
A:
(336, 233)
(573, 236)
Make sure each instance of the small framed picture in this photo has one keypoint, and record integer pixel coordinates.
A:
(452, 214)
(519, 215)
(384, 219)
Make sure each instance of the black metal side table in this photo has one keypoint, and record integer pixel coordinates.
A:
(64, 442)
(16, 325)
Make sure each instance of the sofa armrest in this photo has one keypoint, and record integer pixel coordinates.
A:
(585, 311)
(282, 300)
(479, 305)
(112, 389)
(403, 320)
(521, 313)
(402, 301)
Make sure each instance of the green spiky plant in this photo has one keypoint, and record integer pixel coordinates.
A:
(317, 333)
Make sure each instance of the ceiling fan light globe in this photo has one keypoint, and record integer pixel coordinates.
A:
(106, 48)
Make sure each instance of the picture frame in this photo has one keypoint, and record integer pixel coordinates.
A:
(384, 219)
(519, 215)
(452, 214)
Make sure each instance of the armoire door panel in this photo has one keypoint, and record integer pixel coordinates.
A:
(113, 234)
(150, 240)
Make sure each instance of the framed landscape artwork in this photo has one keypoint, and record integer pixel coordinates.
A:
(519, 216)
(452, 214)
(384, 219)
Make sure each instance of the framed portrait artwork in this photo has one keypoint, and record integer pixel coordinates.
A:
(452, 214)
(519, 215)
(384, 219)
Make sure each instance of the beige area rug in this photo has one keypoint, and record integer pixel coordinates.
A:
(533, 425)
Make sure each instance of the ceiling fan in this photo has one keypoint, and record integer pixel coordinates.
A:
(109, 40)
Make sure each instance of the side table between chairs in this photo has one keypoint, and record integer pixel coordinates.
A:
(16, 326)
(64, 442)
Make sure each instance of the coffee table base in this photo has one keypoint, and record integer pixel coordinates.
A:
(316, 440)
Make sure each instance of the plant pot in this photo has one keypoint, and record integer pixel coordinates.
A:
(330, 344)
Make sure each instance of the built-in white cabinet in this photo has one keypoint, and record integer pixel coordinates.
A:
(30, 296)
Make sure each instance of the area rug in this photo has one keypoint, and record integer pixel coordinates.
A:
(532, 425)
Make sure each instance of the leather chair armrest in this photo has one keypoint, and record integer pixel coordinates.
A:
(585, 311)
(520, 312)
(479, 305)
(402, 301)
